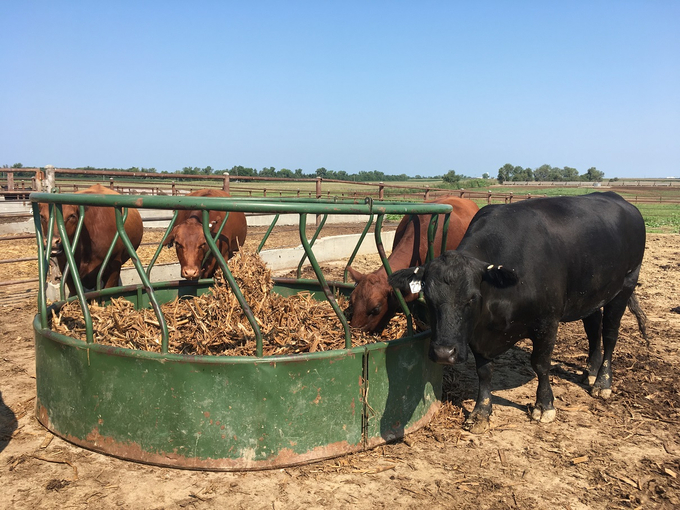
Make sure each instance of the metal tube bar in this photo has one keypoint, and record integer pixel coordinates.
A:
(232, 283)
(386, 264)
(431, 233)
(266, 235)
(120, 227)
(356, 248)
(160, 245)
(68, 251)
(322, 280)
(316, 234)
(445, 231)
(109, 253)
(42, 270)
(76, 237)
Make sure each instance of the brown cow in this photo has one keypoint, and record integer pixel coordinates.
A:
(190, 243)
(99, 228)
(372, 301)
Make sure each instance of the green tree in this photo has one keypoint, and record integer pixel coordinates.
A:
(285, 172)
(505, 173)
(452, 178)
(543, 173)
(569, 174)
(593, 175)
(268, 172)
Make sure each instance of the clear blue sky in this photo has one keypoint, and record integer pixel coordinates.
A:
(401, 87)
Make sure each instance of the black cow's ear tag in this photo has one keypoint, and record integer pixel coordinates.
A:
(415, 285)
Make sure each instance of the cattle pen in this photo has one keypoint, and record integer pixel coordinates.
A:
(623, 454)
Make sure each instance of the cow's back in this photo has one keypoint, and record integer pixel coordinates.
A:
(570, 253)
(100, 226)
(410, 239)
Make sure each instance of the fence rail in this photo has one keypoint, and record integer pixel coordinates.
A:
(175, 185)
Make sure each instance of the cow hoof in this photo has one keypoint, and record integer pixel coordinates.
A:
(591, 380)
(476, 424)
(543, 416)
(603, 393)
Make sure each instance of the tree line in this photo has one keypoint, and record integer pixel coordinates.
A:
(451, 179)
(510, 172)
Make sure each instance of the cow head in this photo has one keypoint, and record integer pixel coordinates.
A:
(191, 247)
(454, 286)
(372, 301)
(71, 215)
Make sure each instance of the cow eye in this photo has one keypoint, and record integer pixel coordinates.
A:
(375, 311)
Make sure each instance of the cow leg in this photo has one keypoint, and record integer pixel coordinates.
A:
(111, 276)
(593, 326)
(541, 355)
(478, 421)
(613, 311)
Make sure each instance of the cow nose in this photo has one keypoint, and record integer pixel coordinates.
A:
(190, 273)
(447, 355)
(57, 248)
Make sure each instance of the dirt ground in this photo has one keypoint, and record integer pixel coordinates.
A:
(621, 453)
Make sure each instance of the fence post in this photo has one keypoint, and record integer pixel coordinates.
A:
(174, 189)
(318, 195)
(381, 191)
(225, 183)
(10, 181)
(38, 180)
(488, 197)
(111, 182)
(510, 200)
(50, 182)
(427, 193)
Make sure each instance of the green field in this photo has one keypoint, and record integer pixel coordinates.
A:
(664, 218)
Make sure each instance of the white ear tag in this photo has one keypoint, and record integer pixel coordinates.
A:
(415, 286)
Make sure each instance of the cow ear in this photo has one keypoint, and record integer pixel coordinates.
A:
(499, 276)
(408, 281)
(356, 275)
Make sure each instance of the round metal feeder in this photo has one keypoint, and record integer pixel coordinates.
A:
(228, 412)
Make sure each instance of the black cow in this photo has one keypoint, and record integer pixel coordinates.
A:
(519, 271)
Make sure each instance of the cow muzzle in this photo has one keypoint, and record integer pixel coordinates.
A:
(447, 355)
(191, 273)
(57, 248)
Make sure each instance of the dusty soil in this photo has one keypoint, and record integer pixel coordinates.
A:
(622, 453)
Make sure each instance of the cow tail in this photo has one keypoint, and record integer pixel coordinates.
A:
(636, 309)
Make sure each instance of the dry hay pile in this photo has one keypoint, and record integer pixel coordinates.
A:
(215, 324)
